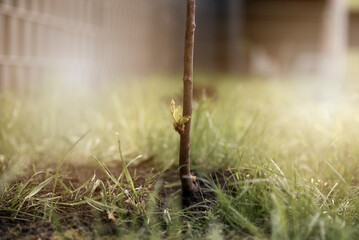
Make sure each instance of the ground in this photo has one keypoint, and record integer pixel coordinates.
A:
(274, 160)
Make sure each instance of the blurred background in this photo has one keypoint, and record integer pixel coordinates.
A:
(94, 41)
(276, 98)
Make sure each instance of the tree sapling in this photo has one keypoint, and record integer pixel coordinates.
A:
(182, 123)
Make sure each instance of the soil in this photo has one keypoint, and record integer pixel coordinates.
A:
(83, 221)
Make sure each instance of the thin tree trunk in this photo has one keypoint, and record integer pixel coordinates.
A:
(188, 182)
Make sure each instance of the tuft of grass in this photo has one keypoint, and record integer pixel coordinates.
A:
(286, 158)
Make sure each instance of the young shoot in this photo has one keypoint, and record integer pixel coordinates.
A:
(179, 120)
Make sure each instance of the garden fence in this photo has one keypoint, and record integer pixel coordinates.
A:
(87, 40)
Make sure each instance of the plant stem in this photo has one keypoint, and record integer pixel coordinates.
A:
(188, 184)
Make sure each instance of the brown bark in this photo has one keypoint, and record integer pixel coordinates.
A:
(188, 182)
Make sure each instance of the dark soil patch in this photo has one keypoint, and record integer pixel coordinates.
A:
(84, 221)
(15, 229)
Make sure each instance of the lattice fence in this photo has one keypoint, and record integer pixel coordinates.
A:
(87, 40)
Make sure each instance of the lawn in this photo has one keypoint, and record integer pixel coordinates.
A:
(274, 160)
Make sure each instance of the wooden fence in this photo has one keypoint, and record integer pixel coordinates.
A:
(83, 40)
(89, 40)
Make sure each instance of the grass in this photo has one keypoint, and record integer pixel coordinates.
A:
(288, 152)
